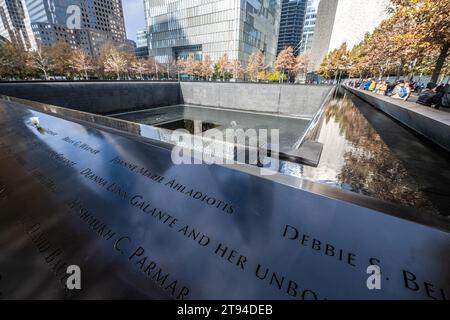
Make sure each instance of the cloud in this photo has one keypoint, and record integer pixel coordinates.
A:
(133, 11)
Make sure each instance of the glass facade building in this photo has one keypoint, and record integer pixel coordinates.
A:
(178, 28)
(291, 23)
(14, 23)
(101, 21)
(141, 38)
(141, 44)
(309, 26)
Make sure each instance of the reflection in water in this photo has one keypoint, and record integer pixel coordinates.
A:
(368, 166)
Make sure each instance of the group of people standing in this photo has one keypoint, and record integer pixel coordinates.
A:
(432, 96)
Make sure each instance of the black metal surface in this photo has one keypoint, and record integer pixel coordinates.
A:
(52, 200)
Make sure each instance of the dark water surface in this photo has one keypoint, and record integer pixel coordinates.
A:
(369, 153)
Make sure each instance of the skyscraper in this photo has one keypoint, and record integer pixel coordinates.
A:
(291, 23)
(340, 21)
(178, 28)
(101, 21)
(141, 44)
(309, 26)
(14, 23)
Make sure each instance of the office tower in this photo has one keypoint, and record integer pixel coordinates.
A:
(101, 22)
(291, 23)
(340, 21)
(179, 28)
(309, 26)
(141, 44)
(14, 23)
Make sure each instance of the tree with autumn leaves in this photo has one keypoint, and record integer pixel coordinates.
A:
(112, 63)
(235, 68)
(303, 64)
(63, 60)
(426, 24)
(206, 70)
(13, 61)
(256, 64)
(335, 63)
(115, 62)
(415, 38)
(40, 59)
(285, 62)
(195, 69)
(81, 62)
(207, 67)
(223, 65)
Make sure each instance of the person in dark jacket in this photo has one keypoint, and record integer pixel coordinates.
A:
(427, 96)
(445, 102)
(443, 97)
(391, 87)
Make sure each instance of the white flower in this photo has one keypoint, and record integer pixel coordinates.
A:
(34, 121)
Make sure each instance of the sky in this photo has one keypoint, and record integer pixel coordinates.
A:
(133, 11)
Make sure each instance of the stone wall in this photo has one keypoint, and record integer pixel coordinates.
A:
(97, 97)
(106, 97)
(271, 98)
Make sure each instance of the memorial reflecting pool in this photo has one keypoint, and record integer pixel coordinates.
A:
(365, 151)
(103, 193)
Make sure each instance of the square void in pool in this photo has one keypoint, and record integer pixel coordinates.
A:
(290, 129)
(189, 125)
